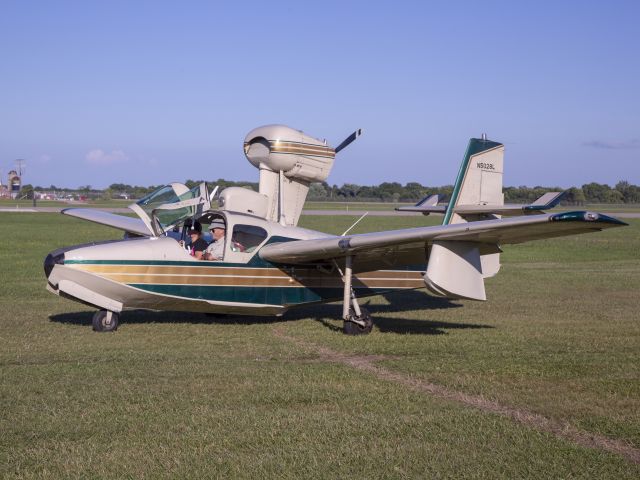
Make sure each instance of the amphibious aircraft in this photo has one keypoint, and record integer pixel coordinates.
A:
(271, 265)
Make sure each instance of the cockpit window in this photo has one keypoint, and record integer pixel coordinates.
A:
(246, 238)
(166, 197)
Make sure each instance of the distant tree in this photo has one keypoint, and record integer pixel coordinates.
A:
(120, 187)
(630, 193)
(367, 193)
(26, 191)
(413, 191)
(595, 192)
(317, 192)
(574, 196)
(614, 196)
(349, 190)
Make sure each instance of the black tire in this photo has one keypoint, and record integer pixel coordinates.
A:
(350, 328)
(100, 323)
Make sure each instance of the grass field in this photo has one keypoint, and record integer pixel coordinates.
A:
(540, 381)
(114, 203)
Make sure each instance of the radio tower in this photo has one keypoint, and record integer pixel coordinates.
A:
(20, 164)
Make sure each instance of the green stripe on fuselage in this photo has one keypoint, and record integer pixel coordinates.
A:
(255, 295)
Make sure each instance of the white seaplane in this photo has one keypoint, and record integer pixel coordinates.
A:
(271, 265)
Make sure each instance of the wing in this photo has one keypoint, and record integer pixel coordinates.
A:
(128, 224)
(407, 246)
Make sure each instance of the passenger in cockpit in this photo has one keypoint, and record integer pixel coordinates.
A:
(198, 245)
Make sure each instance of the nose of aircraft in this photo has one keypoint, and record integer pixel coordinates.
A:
(54, 258)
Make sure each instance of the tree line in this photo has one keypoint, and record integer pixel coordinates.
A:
(622, 192)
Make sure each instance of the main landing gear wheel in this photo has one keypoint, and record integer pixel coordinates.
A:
(352, 328)
(105, 321)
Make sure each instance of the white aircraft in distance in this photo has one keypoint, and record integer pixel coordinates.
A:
(270, 264)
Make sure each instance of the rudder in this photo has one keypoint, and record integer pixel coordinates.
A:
(479, 180)
(458, 269)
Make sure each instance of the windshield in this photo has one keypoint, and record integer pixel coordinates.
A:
(162, 204)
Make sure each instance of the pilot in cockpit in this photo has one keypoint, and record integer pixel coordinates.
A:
(215, 251)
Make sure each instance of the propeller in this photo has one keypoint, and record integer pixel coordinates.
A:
(347, 141)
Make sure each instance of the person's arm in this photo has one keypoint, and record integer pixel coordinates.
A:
(199, 248)
(209, 256)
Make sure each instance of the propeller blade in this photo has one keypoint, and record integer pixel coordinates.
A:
(347, 141)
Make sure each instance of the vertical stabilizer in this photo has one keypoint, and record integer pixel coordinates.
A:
(458, 269)
(479, 180)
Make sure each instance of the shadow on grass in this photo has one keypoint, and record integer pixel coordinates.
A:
(149, 316)
(390, 322)
(399, 302)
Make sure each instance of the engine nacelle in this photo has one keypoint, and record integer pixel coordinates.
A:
(288, 160)
(279, 148)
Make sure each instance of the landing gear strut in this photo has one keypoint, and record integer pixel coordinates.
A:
(357, 321)
(105, 321)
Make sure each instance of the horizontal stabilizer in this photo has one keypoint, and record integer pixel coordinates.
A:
(128, 224)
(428, 201)
(545, 202)
(426, 206)
(424, 209)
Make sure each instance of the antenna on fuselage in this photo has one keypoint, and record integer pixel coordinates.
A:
(356, 222)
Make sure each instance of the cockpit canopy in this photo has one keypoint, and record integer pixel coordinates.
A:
(171, 205)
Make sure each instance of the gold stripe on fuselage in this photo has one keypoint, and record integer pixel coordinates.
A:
(279, 146)
(302, 149)
(203, 268)
(246, 276)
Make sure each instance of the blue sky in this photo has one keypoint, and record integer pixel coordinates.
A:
(152, 92)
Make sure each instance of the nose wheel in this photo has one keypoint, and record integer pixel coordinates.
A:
(105, 321)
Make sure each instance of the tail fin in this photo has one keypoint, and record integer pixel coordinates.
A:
(458, 269)
(479, 180)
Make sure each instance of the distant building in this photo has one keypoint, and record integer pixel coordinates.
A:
(14, 184)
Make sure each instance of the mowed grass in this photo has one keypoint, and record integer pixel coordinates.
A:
(186, 396)
(98, 203)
